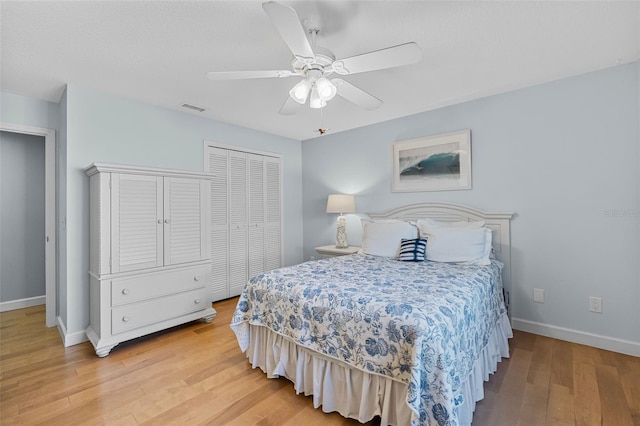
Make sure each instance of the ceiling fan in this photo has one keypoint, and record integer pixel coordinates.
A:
(315, 64)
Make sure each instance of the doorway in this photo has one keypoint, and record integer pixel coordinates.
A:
(50, 220)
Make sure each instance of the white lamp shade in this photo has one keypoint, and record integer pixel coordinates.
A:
(326, 89)
(300, 91)
(316, 101)
(341, 203)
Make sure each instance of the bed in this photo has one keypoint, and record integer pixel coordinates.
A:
(370, 335)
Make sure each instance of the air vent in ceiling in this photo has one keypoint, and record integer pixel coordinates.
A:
(193, 107)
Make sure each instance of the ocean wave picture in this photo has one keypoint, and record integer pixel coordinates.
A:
(433, 163)
(442, 161)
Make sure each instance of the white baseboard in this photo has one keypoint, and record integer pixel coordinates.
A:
(12, 305)
(603, 342)
(70, 339)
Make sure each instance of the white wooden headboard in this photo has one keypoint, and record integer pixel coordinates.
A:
(499, 223)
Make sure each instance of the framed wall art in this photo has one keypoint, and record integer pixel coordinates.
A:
(433, 163)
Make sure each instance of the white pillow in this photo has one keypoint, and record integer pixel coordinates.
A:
(382, 238)
(424, 225)
(459, 245)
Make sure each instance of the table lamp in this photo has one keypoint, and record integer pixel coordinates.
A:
(341, 203)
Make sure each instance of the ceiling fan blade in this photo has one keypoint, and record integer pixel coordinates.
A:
(290, 107)
(356, 95)
(286, 21)
(403, 54)
(242, 75)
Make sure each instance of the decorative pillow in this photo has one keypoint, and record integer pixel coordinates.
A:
(413, 250)
(383, 238)
(459, 245)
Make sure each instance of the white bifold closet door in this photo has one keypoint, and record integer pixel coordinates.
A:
(273, 213)
(218, 163)
(238, 244)
(256, 243)
(246, 219)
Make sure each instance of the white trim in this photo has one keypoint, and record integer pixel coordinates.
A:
(28, 302)
(73, 338)
(141, 170)
(51, 286)
(596, 340)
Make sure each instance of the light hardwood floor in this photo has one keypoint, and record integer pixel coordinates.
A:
(195, 374)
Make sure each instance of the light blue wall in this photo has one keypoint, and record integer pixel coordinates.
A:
(21, 110)
(22, 195)
(106, 128)
(561, 155)
(17, 109)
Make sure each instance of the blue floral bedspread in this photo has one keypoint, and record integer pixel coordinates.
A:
(422, 323)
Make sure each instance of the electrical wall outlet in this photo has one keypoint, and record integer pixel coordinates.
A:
(595, 304)
(538, 295)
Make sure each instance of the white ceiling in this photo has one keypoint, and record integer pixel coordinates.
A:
(160, 52)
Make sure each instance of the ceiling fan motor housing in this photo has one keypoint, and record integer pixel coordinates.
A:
(322, 61)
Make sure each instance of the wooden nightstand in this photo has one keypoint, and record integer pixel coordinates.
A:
(333, 251)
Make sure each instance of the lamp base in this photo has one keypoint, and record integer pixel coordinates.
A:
(341, 232)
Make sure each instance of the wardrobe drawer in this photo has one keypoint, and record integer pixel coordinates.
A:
(134, 289)
(128, 317)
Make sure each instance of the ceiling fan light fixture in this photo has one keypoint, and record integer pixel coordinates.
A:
(315, 63)
(300, 92)
(326, 89)
(316, 101)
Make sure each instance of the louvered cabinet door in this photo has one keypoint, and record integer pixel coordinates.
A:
(237, 222)
(218, 166)
(184, 240)
(256, 242)
(136, 222)
(273, 213)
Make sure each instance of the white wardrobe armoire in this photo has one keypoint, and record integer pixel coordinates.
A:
(246, 216)
(149, 251)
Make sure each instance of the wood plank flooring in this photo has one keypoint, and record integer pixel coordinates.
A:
(195, 374)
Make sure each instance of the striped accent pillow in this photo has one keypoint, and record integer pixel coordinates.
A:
(413, 250)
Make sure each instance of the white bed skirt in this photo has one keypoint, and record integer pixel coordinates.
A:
(357, 394)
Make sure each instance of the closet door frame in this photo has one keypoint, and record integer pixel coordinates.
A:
(51, 228)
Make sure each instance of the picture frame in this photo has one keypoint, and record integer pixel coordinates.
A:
(433, 163)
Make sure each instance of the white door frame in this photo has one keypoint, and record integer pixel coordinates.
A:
(49, 211)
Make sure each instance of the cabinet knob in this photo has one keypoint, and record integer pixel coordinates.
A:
(125, 291)
(125, 318)
(160, 221)
(196, 278)
(166, 221)
(196, 301)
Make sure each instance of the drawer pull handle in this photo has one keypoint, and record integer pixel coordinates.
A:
(196, 301)
(125, 318)
(196, 278)
(125, 291)
(166, 221)
(159, 220)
